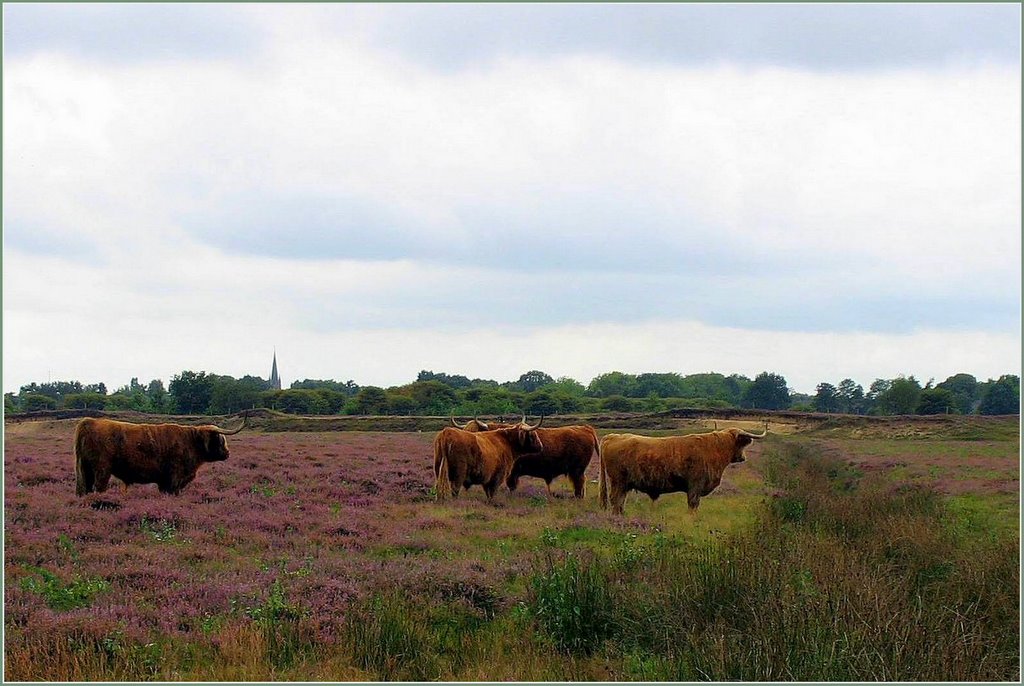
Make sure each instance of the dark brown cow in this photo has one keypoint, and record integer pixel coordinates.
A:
(464, 458)
(692, 464)
(567, 451)
(165, 454)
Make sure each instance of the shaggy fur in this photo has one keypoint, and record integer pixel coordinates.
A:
(473, 426)
(165, 454)
(464, 458)
(692, 464)
(567, 450)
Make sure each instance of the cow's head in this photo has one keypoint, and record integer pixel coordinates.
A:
(741, 439)
(216, 446)
(526, 438)
(473, 425)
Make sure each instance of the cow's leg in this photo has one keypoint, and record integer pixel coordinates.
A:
(87, 478)
(618, 499)
(512, 481)
(457, 475)
(102, 479)
(579, 483)
(547, 484)
(693, 500)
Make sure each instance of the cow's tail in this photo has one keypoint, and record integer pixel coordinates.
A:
(82, 480)
(604, 479)
(443, 484)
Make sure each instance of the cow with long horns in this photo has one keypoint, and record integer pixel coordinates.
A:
(463, 458)
(168, 455)
(692, 464)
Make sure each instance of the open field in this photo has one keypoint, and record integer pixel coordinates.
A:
(322, 555)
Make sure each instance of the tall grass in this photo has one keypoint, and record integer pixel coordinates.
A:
(841, 579)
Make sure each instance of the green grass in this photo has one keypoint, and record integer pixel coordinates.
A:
(63, 595)
(992, 516)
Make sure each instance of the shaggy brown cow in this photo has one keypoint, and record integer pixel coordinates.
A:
(464, 458)
(567, 450)
(473, 425)
(692, 464)
(165, 454)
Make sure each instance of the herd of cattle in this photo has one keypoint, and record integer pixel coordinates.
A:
(490, 455)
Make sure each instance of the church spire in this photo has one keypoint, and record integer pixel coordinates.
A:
(275, 380)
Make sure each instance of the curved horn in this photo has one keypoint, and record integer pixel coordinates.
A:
(535, 426)
(245, 423)
(761, 435)
(456, 424)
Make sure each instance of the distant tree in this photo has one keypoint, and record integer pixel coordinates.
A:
(826, 398)
(617, 403)
(333, 401)
(10, 403)
(876, 390)
(131, 396)
(100, 388)
(33, 402)
(456, 381)
(349, 388)
(653, 403)
(767, 392)
(229, 395)
(371, 400)
(965, 390)
(122, 400)
(296, 401)
(902, 396)
(1001, 396)
(568, 385)
(567, 402)
(712, 385)
(801, 402)
(542, 402)
(936, 401)
(191, 392)
(612, 383)
(851, 397)
(432, 397)
(85, 401)
(399, 404)
(157, 396)
(531, 381)
(54, 389)
(491, 402)
(662, 385)
(735, 386)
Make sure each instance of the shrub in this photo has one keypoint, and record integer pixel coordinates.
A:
(60, 595)
(572, 601)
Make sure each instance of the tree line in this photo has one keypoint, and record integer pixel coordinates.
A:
(533, 393)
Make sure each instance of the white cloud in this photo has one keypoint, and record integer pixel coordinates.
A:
(897, 186)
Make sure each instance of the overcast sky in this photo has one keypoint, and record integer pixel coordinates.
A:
(820, 191)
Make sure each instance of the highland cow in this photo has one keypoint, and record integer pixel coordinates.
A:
(692, 464)
(165, 454)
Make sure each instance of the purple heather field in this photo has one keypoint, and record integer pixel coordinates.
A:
(310, 523)
(324, 517)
